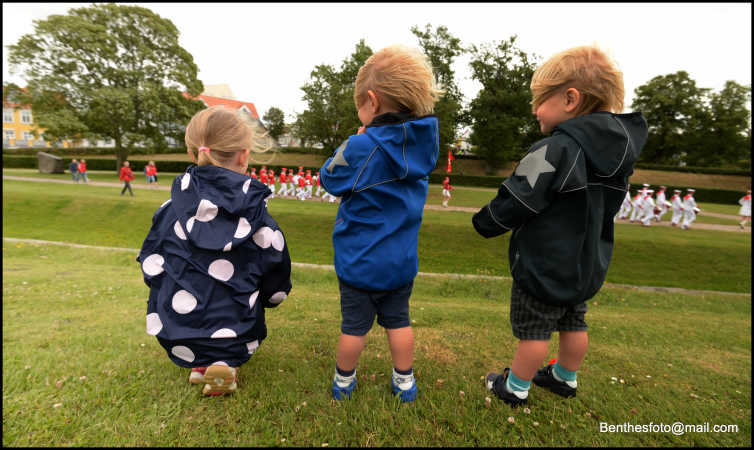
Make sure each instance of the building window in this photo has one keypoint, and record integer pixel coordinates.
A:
(28, 136)
(26, 116)
(7, 115)
(9, 134)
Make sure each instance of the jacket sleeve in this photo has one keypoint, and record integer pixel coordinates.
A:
(547, 169)
(339, 172)
(275, 284)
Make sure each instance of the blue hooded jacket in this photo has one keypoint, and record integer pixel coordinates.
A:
(382, 179)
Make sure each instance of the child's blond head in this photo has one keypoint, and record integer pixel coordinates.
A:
(587, 69)
(222, 130)
(402, 76)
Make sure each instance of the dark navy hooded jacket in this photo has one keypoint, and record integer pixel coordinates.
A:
(213, 260)
(382, 179)
(560, 203)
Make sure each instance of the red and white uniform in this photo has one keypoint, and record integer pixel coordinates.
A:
(689, 210)
(677, 206)
(625, 207)
(263, 177)
(446, 188)
(319, 188)
(253, 173)
(745, 203)
(637, 205)
(662, 203)
(283, 179)
(271, 182)
(301, 191)
(648, 208)
(309, 184)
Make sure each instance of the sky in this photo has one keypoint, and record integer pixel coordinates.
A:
(265, 52)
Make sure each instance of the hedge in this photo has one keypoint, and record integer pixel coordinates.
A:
(705, 195)
(690, 169)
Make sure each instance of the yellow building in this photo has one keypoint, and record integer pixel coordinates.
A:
(18, 128)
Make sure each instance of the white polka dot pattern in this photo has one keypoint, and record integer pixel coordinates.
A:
(253, 299)
(278, 242)
(221, 269)
(224, 333)
(228, 246)
(183, 352)
(206, 211)
(263, 237)
(243, 229)
(179, 230)
(219, 363)
(183, 302)
(246, 186)
(278, 297)
(190, 224)
(185, 181)
(154, 324)
(252, 346)
(152, 265)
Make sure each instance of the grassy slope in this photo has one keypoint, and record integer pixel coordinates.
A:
(661, 256)
(73, 336)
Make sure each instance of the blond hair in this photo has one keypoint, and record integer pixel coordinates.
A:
(402, 76)
(222, 130)
(587, 69)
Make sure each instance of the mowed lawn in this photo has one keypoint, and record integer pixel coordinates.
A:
(80, 370)
(658, 256)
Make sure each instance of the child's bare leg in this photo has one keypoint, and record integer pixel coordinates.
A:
(528, 358)
(572, 349)
(349, 349)
(401, 341)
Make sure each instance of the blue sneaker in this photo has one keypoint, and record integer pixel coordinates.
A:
(342, 393)
(409, 393)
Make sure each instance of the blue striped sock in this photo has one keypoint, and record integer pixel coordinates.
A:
(515, 383)
(563, 374)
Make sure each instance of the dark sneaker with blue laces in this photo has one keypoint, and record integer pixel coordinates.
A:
(545, 378)
(495, 382)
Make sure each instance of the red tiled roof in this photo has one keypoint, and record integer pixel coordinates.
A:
(235, 104)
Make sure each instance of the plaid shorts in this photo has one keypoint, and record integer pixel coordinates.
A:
(535, 320)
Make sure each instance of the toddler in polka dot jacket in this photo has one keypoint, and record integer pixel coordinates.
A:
(214, 259)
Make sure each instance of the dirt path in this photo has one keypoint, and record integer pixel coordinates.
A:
(699, 226)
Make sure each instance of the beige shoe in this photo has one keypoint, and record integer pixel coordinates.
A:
(219, 380)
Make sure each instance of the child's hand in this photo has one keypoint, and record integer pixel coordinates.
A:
(362, 130)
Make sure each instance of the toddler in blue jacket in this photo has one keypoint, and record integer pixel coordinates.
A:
(381, 174)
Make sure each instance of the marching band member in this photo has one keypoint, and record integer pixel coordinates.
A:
(690, 210)
(745, 210)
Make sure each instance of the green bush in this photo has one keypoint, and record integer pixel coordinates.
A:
(691, 169)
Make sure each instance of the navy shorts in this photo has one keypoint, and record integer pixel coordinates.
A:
(533, 320)
(358, 308)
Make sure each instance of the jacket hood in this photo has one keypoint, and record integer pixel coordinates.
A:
(611, 142)
(210, 199)
(402, 137)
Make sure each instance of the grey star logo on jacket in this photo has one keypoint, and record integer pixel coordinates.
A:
(533, 165)
(338, 159)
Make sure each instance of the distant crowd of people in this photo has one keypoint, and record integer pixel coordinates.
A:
(289, 184)
(646, 209)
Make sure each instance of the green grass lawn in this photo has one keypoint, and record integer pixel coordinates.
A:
(659, 256)
(79, 369)
(462, 196)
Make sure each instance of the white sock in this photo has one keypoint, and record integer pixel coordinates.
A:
(342, 381)
(403, 382)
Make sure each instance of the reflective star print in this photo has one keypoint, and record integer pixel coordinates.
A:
(338, 159)
(533, 165)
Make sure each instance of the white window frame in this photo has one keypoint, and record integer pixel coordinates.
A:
(27, 135)
(9, 134)
(26, 116)
(8, 115)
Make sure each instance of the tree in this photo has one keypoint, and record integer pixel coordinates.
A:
(674, 108)
(727, 132)
(274, 120)
(442, 48)
(331, 115)
(503, 126)
(108, 71)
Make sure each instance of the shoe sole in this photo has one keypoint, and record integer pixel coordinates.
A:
(196, 378)
(219, 380)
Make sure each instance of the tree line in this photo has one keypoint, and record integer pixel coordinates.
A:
(116, 72)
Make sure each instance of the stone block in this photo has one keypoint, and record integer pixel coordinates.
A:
(50, 163)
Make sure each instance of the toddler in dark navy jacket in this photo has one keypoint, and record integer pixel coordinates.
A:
(381, 174)
(214, 259)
